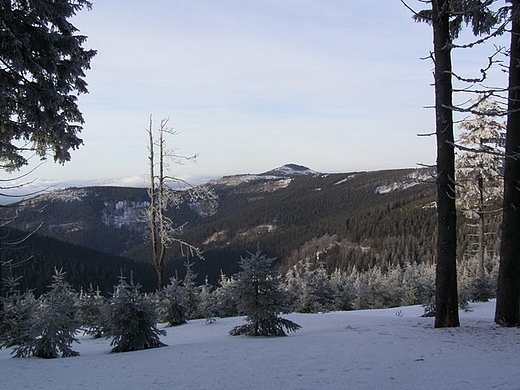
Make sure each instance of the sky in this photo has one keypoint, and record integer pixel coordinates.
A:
(368, 349)
(337, 86)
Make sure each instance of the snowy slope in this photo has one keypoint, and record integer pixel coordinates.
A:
(376, 349)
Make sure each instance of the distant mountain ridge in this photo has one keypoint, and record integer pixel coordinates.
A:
(291, 212)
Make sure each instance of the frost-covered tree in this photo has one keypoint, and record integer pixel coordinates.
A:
(54, 323)
(480, 166)
(310, 287)
(207, 307)
(171, 303)
(191, 291)
(226, 303)
(344, 291)
(91, 308)
(419, 284)
(132, 319)
(163, 197)
(261, 297)
(17, 316)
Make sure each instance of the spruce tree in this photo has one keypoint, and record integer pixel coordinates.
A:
(261, 297)
(91, 307)
(132, 319)
(171, 303)
(53, 324)
(17, 315)
(190, 291)
(226, 303)
(207, 303)
(42, 72)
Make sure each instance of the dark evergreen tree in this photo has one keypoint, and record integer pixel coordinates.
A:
(42, 70)
(132, 319)
(261, 297)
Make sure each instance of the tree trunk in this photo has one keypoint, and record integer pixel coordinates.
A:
(446, 300)
(159, 267)
(508, 290)
(481, 229)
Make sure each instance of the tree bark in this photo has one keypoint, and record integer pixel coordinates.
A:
(508, 290)
(446, 300)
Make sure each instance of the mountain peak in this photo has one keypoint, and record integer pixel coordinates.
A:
(289, 170)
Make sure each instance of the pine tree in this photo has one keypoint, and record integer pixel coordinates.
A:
(261, 297)
(132, 319)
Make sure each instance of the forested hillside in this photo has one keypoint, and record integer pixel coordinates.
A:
(357, 219)
(34, 259)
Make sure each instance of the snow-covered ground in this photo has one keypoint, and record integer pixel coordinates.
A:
(373, 349)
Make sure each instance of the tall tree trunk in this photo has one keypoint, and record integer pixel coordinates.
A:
(152, 191)
(508, 291)
(446, 300)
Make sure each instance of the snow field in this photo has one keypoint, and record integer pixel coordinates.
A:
(372, 349)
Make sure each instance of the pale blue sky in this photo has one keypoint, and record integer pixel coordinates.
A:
(337, 86)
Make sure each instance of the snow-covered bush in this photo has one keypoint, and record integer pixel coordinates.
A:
(132, 319)
(261, 297)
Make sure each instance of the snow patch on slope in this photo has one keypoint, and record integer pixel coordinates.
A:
(408, 181)
(125, 213)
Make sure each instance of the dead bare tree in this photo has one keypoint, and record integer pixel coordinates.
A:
(163, 230)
